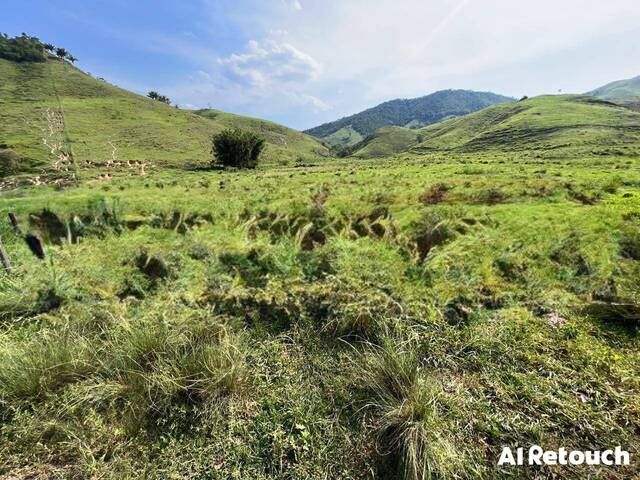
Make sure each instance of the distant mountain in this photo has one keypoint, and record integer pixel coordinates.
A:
(620, 90)
(411, 113)
(568, 125)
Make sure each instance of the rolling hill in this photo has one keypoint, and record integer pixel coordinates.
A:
(619, 90)
(50, 109)
(385, 142)
(411, 113)
(567, 125)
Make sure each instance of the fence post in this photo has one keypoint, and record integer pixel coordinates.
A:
(4, 258)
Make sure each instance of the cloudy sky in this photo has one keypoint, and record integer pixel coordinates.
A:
(305, 62)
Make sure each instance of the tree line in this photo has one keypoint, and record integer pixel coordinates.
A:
(161, 98)
(26, 48)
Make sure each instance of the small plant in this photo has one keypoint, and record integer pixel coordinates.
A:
(237, 148)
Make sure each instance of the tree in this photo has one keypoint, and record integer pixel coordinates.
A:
(156, 96)
(237, 148)
(22, 48)
(61, 52)
(49, 47)
(71, 58)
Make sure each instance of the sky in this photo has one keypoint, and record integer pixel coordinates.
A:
(306, 62)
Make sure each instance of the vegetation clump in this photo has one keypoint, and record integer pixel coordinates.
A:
(23, 48)
(410, 413)
(237, 148)
(630, 243)
(153, 95)
(26, 48)
(9, 162)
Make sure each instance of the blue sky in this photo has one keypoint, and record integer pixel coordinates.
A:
(304, 62)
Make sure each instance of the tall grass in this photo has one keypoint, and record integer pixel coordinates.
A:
(29, 370)
(410, 414)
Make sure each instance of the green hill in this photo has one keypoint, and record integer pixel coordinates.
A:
(413, 113)
(566, 125)
(386, 141)
(619, 90)
(72, 112)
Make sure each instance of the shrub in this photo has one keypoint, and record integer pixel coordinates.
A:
(9, 162)
(237, 148)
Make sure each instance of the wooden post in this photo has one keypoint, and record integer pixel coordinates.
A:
(33, 242)
(4, 258)
(14, 223)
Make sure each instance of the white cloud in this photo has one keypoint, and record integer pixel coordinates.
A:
(295, 4)
(305, 100)
(266, 79)
(271, 62)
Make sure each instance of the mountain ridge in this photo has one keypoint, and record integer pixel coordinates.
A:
(412, 112)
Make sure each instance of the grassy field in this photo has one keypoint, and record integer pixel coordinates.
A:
(399, 318)
(88, 121)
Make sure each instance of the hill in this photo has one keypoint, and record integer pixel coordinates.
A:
(566, 124)
(51, 109)
(549, 125)
(385, 142)
(412, 113)
(619, 90)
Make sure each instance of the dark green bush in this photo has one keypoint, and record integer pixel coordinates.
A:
(237, 148)
(9, 162)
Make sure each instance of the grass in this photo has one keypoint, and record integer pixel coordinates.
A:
(407, 317)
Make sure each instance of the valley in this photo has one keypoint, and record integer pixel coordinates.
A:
(382, 303)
